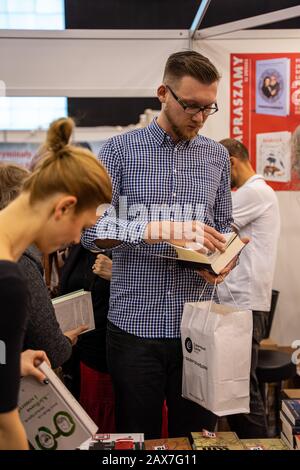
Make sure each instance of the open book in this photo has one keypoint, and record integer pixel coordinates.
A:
(213, 262)
(73, 310)
(52, 417)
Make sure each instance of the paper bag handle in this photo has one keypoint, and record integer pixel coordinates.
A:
(202, 292)
(212, 295)
(215, 289)
(230, 293)
(210, 304)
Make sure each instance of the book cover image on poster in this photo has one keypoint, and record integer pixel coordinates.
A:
(273, 156)
(273, 86)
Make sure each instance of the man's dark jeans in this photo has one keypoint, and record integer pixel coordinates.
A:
(254, 424)
(145, 372)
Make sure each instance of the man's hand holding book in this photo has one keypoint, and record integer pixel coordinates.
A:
(188, 234)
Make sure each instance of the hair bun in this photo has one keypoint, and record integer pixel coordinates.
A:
(59, 134)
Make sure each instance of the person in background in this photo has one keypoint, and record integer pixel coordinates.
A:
(266, 87)
(256, 215)
(42, 329)
(165, 165)
(274, 85)
(57, 202)
(86, 373)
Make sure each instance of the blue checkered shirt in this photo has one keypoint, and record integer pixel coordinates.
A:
(148, 292)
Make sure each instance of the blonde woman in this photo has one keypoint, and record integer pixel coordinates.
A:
(58, 201)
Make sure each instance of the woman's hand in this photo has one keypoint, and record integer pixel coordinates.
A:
(30, 360)
(73, 334)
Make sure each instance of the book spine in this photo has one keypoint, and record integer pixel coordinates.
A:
(288, 412)
(291, 412)
(285, 440)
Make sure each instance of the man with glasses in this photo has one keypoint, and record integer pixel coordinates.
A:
(194, 108)
(176, 187)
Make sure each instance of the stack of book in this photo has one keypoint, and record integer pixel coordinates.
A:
(290, 423)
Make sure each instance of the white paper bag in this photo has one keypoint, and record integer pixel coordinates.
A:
(216, 343)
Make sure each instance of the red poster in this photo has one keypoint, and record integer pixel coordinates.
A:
(265, 112)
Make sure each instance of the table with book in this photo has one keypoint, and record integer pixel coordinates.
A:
(205, 440)
(54, 420)
(197, 441)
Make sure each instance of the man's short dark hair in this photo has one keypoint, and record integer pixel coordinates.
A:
(236, 149)
(192, 64)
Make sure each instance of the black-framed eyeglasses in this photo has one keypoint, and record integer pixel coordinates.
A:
(195, 109)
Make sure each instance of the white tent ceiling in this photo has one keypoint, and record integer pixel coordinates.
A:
(105, 63)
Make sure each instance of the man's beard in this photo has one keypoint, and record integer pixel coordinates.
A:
(182, 135)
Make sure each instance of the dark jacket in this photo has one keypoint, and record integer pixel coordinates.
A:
(43, 331)
(77, 274)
